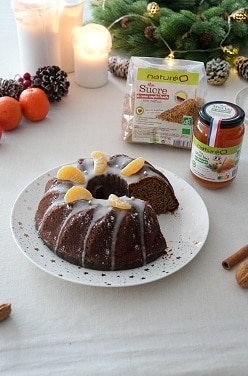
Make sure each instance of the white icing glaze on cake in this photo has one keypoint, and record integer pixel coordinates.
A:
(87, 167)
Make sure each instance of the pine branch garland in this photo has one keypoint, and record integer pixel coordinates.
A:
(192, 28)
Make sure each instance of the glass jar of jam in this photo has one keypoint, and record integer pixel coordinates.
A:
(216, 146)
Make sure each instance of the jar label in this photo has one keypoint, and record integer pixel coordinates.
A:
(213, 163)
(221, 111)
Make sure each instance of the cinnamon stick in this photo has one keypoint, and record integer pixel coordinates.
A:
(235, 258)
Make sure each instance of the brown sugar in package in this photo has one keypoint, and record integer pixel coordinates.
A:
(162, 100)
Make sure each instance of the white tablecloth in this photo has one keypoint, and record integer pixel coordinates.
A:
(193, 322)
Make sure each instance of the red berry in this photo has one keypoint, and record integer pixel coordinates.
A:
(26, 83)
(27, 76)
(20, 79)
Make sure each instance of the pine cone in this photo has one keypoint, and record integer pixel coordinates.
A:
(149, 32)
(204, 38)
(241, 64)
(124, 22)
(217, 71)
(53, 81)
(118, 66)
(10, 88)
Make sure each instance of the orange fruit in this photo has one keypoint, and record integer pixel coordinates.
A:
(77, 193)
(10, 113)
(100, 161)
(35, 104)
(133, 167)
(71, 173)
(117, 202)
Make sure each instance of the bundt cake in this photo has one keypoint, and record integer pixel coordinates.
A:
(96, 213)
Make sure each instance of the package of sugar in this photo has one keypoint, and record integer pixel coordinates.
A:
(162, 100)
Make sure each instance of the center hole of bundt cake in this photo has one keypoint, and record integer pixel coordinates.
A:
(102, 186)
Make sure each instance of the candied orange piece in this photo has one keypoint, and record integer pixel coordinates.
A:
(133, 167)
(100, 161)
(71, 173)
(77, 193)
(116, 202)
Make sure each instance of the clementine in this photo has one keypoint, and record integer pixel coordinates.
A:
(35, 104)
(10, 113)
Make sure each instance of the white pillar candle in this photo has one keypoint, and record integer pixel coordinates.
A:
(70, 15)
(38, 33)
(92, 44)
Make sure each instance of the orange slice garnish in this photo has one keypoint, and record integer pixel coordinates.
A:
(116, 202)
(100, 161)
(133, 167)
(77, 193)
(71, 173)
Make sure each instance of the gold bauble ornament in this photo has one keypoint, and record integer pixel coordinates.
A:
(231, 51)
(240, 15)
(153, 8)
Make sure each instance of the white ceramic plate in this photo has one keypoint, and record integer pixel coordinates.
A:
(185, 232)
(241, 100)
